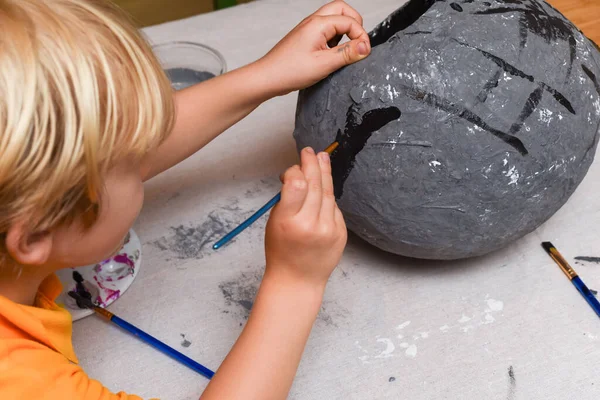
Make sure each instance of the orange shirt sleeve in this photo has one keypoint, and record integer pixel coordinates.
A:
(29, 370)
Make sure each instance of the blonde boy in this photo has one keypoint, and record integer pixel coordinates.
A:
(86, 115)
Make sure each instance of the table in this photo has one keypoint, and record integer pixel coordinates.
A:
(505, 326)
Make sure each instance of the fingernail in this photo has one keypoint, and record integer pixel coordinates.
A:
(309, 150)
(363, 49)
(324, 157)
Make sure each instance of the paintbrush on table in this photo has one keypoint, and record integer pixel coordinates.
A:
(152, 341)
(262, 211)
(573, 277)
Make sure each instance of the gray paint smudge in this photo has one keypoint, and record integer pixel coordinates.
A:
(196, 241)
(589, 259)
(185, 343)
(266, 187)
(392, 379)
(241, 291)
(512, 384)
(594, 292)
(331, 312)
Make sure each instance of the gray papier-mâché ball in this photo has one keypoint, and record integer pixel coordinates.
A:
(469, 125)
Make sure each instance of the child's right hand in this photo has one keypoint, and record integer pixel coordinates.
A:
(306, 233)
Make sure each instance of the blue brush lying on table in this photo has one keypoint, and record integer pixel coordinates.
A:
(82, 302)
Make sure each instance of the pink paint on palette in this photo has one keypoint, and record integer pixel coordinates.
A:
(110, 295)
(117, 267)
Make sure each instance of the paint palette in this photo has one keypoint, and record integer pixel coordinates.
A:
(106, 281)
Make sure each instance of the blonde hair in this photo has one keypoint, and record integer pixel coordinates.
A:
(79, 89)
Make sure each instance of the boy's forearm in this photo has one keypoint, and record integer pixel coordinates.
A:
(206, 110)
(264, 360)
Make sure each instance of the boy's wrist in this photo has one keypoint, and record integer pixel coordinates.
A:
(279, 282)
(268, 77)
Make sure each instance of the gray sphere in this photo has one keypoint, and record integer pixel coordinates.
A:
(469, 125)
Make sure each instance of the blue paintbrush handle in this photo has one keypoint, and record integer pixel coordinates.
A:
(262, 211)
(157, 344)
(585, 292)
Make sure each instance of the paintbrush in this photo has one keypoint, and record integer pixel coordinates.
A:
(152, 341)
(261, 211)
(573, 277)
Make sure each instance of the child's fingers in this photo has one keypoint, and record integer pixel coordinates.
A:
(293, 191)
(328, 202)
(312, 172)
(347, 53)
(335, 25)
(339, 8)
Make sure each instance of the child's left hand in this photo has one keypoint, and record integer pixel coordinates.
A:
(304, 56)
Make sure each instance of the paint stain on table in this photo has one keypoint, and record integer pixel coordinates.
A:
(185, 343)
(241, 291)
(588, 259)
(512, 384)
(239, 294)
(189, 241)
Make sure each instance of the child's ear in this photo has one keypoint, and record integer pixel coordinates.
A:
(28, 248)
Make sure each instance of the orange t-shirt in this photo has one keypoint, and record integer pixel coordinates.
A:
(37, 360)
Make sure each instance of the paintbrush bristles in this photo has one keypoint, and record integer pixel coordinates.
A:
(548, 246)
(559, 259)
(82, 302)
(331, 148)
(87, 303)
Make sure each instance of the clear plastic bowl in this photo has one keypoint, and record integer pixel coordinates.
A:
(188, 63)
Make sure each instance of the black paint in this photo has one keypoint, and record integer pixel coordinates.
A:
(572, 54)
(589, 259)
(400, 20)
(392, 379)
(461, 112)
(530, 105)
(81, 290)
(594, 292)
(456, 7)
(353, 140)
(592, 77)
(490, 85)
(512, 70)
(535, 19)
(419, 33)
